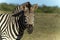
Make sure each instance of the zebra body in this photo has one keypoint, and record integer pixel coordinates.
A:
(12, 26)
(9, 28)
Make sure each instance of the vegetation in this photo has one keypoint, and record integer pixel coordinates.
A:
(48, 9)
(7, 7)
(41, 9)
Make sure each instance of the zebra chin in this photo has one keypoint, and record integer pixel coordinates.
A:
(29, 28)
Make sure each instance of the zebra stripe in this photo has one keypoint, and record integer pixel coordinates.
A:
(8, 27)
(12, 27)
(3, 22)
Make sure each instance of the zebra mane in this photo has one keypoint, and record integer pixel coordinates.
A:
(18, 8)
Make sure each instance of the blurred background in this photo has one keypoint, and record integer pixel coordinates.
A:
(44, 6)
(47, 18)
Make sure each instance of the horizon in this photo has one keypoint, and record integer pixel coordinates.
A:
(39, 2)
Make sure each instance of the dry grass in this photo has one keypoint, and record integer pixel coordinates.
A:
(3, 12)
(47, 27)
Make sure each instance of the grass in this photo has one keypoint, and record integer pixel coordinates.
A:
(47, 27)
(3, 12)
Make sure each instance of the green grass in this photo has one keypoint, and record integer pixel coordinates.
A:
(47, 27)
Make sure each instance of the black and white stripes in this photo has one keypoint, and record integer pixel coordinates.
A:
(8, 27)
(12, 26)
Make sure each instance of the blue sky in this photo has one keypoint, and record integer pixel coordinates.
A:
(39, 2)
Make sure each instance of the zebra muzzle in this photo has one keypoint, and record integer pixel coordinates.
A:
(29, 28)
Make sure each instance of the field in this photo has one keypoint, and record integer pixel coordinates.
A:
(47, 27)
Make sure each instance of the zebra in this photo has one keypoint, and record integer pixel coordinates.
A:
(12, 26)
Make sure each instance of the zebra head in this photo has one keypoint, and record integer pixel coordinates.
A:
(29, 13)
(26, 16)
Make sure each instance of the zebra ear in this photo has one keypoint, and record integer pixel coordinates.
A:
(35, 6)
(22, 7)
